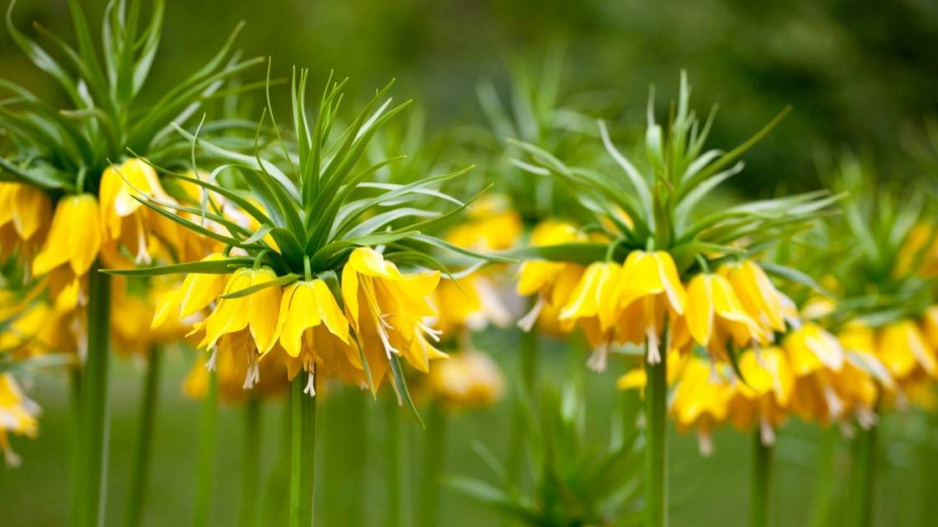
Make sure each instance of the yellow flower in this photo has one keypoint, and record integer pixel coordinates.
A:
(246, 324)
(387, 310)
(74, 238)
(715, 316)
(635, 378)
(903, 349)
(700, 400)
(467, 380)
(489, 227)
(195, 294)
(756, 293)
(593, 305)
(811, 348)
(553, 282)
(764, 398)
(310, 323)
(25, 215)
(471, 303)
(18, 415)
(648, 290)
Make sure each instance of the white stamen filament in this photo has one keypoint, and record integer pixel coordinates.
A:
(597, 360)
(434, 333)
(654, 354)
(834, 405)
(213, 360)
(705, 443)
(526, 323)
(866, 417)
(254, 372)
(310, 383)
(766, 432)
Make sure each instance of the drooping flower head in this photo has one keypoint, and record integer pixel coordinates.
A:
(319, 272)
(642, 275)
(70, 186)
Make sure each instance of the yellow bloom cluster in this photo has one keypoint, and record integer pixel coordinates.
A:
(112, 226)
(467, 380)
(633, 302)
(475, 301)
(303, 324)
(813, 374)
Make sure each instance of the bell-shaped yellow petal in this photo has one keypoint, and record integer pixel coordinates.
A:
(264, 310)
(756, 293)
(650, 274)
(330, 312)
(811, 348)
(298, 313)
(902, 346)
(74, 238)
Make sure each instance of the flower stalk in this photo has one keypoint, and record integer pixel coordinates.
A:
(303, 447)
(140, 471)
(864, 476)
(95, 409)
(761, 490)
(656, 445)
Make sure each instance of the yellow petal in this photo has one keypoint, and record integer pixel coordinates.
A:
(264, 310)
(700, 309)
(298, 312)
(329, 311)
(84, 239)
(368, 262)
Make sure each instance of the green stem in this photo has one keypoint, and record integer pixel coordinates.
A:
(208, 430)
(761, 482)
(395, 469)
(140, 469)
(656, 445)
(864, 476)
(303, 447)
(434, 462)
(74, 448)
(95, 410)
(251, 462)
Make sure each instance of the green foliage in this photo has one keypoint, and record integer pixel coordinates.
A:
(663, 207)
(576, 480)
(67, 150)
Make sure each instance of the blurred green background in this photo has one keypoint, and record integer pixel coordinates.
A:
(859, 77)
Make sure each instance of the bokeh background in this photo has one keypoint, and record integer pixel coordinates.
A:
(860, 77)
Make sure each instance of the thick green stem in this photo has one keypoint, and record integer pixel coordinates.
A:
(95, 411)
(208, 430)
(140, 470)
(303, 448)
(760, 498)
(74, 448)
(433, 465)
(395, 470)
(864, 477)
(656, 445)
(251, 462)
